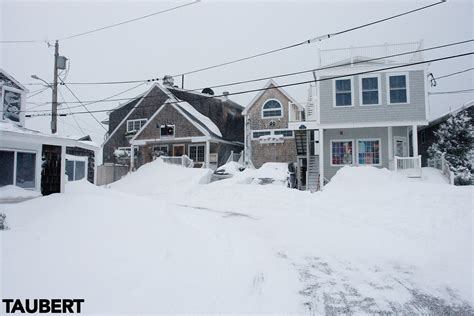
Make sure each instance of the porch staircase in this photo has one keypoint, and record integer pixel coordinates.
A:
(313, 174)
(300, 139)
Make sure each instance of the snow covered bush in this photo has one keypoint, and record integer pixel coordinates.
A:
(455, 139)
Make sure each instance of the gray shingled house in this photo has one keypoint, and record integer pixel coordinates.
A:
(359, 112)
(174, 122)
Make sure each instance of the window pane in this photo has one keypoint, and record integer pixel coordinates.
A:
(370, 97)
(369, 152)
(342, 153)
(284, 133)
(272, 104)
(80, 170)
(6, 167)
(200, 155)
(397, 81)
(11, 106)
(258, 134)
(398, 96)
(343, 85)
(25, 170)
(343, 99)
(369, 83)
(70, 170)
(167, 130)
(271, 113)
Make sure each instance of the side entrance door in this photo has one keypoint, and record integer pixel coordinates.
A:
(178, 150)
(400, 146)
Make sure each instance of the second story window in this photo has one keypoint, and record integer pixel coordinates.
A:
(397, 89)
(272, 108)
(135, 125)
(370, 94)
(167, 130)
(343, 92)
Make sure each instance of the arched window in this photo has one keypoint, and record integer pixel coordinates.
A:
(272, 108)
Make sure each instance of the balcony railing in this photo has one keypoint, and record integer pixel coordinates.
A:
(410, 166)
(302, 112)
(180, 160)
(331, 56)
(442, 165)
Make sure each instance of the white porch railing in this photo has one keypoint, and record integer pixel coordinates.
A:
(443, 166)
(410, 166)
(235, 157)
(181, 160)
(301, 112)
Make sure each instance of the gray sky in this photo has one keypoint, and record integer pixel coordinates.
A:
(212, 32)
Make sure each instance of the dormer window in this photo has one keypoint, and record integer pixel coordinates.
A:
(272, 109)
(167, 130)
(11, 104)
(135, 125)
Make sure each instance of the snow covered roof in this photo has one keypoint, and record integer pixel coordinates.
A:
(204, 121)
(445, 116)
(5, 77)
(10, 129)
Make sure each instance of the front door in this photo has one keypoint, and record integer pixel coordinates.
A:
(400, 146)
(178, 150)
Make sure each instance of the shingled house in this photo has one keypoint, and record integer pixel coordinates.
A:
(173, 122)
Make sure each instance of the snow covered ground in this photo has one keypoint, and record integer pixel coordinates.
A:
(165, 240)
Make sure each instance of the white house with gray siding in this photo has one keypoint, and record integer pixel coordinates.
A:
(361, 111)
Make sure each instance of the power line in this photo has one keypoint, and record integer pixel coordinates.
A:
(296, 83)
(85, 107)
(77, 123)
(102, 28)
(300, 72)
(454, 73)
(39, 91)
(312, 40)
(309, 41)
(451, 92)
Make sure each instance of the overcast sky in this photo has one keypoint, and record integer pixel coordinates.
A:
(212, 32)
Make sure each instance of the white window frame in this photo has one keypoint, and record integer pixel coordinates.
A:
(75, 159)
(22, 96)
(164, 145)
(380, 151)
(268, 110)
(133, 121)
(272, 132)
(168, 136)
(129, 150)
(197, 155)
(15, 160)
(334, 92)
(338, 141)
(379, 90)
(407, 81)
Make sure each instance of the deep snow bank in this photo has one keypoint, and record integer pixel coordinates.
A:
(159, 178)
(12, 193)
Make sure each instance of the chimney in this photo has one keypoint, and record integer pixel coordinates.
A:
(168, 81)
(226, 94)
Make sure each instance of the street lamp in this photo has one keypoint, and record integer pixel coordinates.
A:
(54, 104)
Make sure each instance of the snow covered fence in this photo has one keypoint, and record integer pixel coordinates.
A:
(3, 222)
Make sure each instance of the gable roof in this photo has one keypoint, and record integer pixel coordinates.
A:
(264, 89)
(13, 80)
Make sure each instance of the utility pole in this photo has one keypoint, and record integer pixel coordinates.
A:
(54, 110)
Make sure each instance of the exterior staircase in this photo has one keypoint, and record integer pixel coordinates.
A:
(312, 183)
(300, 139)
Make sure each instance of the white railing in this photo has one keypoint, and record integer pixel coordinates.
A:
(181, 160)
(411, 166)
(235, 157)
(302, 112)
(446, 171)
(331, 56)
(442, 165)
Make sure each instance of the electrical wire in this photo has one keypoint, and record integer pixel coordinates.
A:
(295, 83)
(77, 123)
(454, 73)
(39, 91)
(451, 92)
(102, 28)
(85, 107)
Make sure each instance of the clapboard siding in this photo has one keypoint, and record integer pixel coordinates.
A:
(415, 110)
